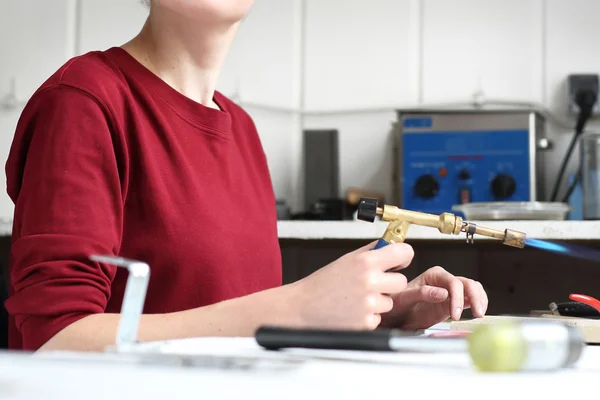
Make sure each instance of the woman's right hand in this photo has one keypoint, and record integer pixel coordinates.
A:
(353, 291)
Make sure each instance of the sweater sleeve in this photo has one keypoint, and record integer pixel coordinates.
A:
(65, 174)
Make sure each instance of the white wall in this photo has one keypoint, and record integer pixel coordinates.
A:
(347, 63)
(34, 41)
(259, 69)
(387, 54)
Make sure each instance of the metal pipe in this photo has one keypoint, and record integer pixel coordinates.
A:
(400, 221)
(488, 232)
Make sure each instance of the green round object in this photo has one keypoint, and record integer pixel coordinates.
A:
(498, 347)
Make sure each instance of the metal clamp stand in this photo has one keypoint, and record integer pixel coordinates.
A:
(128, 345)
(133, 300)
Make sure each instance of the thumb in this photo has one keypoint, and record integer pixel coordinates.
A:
(422, 294)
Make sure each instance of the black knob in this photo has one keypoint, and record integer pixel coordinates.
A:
(464, 175)
(427, 187)
(367, 209)
(503, 186)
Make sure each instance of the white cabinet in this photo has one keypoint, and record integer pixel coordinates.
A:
(360, 54)
(33, 45)
(495, 44)
(109, 23)
(263, 60)
(33, 42)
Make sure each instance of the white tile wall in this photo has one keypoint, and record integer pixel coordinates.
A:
(572, 32)
(265, 41)
(358, 55)
(365, 146)
(511, 50)
(33, 43)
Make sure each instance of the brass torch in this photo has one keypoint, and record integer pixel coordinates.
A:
(400, 220)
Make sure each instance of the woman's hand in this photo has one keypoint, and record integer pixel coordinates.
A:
(433, 297)
(353, 291)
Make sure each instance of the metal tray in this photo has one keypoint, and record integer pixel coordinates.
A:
(513, 211)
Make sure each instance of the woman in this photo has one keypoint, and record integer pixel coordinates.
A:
(132, 152)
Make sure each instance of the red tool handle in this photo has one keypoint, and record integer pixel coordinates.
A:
(590, 301)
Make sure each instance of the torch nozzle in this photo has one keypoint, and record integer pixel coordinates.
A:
(509, 237)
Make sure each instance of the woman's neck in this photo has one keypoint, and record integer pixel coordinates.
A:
(187, 56)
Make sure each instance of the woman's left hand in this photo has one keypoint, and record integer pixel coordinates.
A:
(433, 297)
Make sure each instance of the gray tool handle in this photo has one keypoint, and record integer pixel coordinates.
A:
(134, 298)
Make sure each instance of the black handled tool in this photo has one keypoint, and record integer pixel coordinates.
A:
(276, 338)
(507, 346)
(574, 309)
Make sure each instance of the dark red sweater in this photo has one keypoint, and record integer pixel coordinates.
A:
(109, 159)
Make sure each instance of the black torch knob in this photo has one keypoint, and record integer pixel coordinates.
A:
(367, 209)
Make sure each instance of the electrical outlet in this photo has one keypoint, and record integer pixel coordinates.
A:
(582, 81)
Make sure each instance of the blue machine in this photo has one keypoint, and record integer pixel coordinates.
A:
(455, 157)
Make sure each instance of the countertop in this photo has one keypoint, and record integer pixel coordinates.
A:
(240, 369)
(320, 230)
(549, 230)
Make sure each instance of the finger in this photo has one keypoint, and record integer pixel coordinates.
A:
(467, 303)
(391, 257)
(477, 297)
(422, 294)
(380, 304)
(373, 321)
(442, 278)
(389, 283)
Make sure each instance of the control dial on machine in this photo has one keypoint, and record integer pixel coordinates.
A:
(427, 186)
(464, 175)
(503, 186)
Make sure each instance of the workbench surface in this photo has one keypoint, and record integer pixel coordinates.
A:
(318, 230)
(369, 376)
(549, 230)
